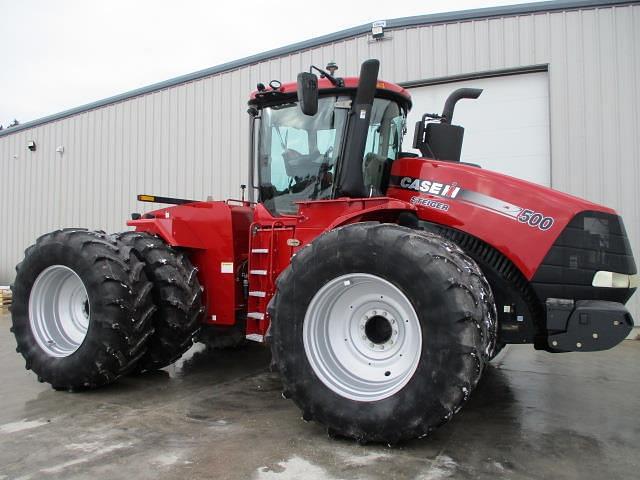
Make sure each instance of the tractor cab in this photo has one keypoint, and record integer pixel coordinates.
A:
(324, 138)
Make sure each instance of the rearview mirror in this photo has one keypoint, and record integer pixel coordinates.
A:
(308, 93)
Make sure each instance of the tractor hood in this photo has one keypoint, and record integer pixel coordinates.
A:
(521, 219)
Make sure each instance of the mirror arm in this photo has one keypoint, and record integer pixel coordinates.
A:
(336, 82)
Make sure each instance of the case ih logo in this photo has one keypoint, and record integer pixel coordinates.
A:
(429, 186)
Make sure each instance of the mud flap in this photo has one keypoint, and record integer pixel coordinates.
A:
(586, 325)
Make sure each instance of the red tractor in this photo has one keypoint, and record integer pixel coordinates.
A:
(383, 281)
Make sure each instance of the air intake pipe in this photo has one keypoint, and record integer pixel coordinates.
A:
(450, 104)
(443, 141)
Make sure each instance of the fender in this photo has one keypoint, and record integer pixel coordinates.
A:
(174, 231)
(319, 216)
(392, 207)
(217, 235)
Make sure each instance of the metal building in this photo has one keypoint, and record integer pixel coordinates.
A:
(561, 107)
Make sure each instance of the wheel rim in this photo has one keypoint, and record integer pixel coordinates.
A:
(362, 337)
(59, 311)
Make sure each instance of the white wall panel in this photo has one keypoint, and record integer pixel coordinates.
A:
(506, 128)
(190, 140)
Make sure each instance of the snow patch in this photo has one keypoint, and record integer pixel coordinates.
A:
(21, 425)
(97, 448)
(93, 450)
(166, 459)
(61, 466)
(367, 459)
(88, 447)
(293, 469)
(441, 468)
(499, 466)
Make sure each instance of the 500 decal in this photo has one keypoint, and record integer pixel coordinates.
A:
(535, 219)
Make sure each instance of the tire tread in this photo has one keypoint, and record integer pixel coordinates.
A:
(120, 305)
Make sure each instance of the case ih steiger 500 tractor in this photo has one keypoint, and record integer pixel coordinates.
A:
(383, 282)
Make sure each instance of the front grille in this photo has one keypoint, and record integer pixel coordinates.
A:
(591, 242)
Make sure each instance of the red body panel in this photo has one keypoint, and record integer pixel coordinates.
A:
(488, 205)
(217, 234)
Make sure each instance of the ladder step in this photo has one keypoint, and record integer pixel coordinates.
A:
(258, 272)
(257, 293)
(259, 250)
(254, 337)
(255, 315)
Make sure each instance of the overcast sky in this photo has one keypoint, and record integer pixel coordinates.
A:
(60, 54)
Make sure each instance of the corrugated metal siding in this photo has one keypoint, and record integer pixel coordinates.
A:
(191, 140)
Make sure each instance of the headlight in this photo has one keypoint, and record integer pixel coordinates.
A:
(614, 280)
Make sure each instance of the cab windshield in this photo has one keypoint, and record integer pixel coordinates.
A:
(298, 154)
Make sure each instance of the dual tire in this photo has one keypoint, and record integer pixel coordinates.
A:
(381, 332)
(86, 311)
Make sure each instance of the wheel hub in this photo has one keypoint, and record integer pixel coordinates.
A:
(362, 337)
(379, 327)
(59, 311)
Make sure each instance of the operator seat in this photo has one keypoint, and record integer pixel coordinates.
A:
(376, 171)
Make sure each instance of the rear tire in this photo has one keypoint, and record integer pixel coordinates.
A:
(81, 309)
(412, 293)
(177, 294)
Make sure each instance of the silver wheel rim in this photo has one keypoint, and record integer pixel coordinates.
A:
(59, 311)
(362, 337)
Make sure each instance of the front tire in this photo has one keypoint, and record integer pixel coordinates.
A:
(381, 332)
(81, 309)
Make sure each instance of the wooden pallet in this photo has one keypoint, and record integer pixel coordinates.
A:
(5, 298)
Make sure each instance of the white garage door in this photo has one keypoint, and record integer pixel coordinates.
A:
(506, 128)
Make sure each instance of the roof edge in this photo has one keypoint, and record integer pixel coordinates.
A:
(429, 19)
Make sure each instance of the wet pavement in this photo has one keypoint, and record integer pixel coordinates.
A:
(219, 414)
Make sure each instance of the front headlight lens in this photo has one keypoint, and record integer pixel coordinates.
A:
(614, 280)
